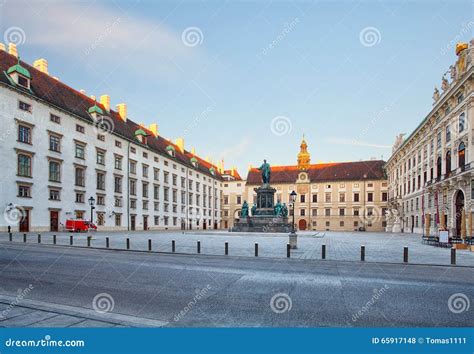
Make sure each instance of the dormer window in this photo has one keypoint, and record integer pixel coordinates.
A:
(194, 162)
(95, 111)
(18, 75)
(23, 81)
(141, 136)
(212, 171)
(171, 150)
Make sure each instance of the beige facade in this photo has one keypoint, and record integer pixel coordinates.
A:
(430, 173)
(343, 196)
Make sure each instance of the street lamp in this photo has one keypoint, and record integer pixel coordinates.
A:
(293, 236)
(92, 203)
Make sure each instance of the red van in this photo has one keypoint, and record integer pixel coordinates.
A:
(78, 225)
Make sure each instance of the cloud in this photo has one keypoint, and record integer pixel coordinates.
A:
(99, 34)
(354, 142)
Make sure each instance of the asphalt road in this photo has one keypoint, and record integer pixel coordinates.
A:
(216, 291)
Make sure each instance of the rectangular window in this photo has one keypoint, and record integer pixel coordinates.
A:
(54, 171)
(24, 191)
(133, 167)
(462, 122)
(302, 198)
(370, 197)
(356, 212)
(118, 162)
(24, 165)
(384, 196)
(118, 184)
(54, 194)
(342, 212)
(80, 176)
(24, 134)
(314, 212)
(118, 143)
(118, 220)
(100, 200)
(80, 128)
(54, 143)
(328, 197)
(302, 212)
(80, 151)
(327, 212)
(79, 197)
(342, 197)
(315, 198)
(133, 187)
(356, 197)
(101, 157)
(145, 190)
(25, 106)
(54, 118)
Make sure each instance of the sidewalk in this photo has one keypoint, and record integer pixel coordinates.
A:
(31, 313)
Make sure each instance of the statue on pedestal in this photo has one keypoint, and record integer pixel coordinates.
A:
(278, 209)
(284, 210)
(245, 210)
(266, 172)
(254, 209)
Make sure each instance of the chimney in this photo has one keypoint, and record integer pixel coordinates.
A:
(12, 49)
(193, 151)
(153, 128)
(105, 101)
(180, 144)
(41, 65)
(122, 111)
(82, 91)
(93, 97)
(2, 46)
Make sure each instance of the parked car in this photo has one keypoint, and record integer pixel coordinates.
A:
(79, 225)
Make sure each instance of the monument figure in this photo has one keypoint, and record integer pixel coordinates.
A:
(254, 209)
(266, 172)
(278, 209)
(245, 210)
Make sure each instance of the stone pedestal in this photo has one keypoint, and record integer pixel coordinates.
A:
(397, 227)
(263, 218)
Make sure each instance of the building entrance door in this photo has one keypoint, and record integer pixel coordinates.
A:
(145, 223)
(132, 222)
(24, 225)
(459, 207)
(54, 220)
(302, 224)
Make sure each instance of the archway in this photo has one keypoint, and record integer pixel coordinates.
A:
(459, 206)
(302, 224)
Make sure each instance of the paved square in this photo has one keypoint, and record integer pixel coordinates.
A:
(379, 247)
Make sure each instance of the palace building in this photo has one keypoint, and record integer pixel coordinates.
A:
(431, 171)
(342, 196)
(67, 156)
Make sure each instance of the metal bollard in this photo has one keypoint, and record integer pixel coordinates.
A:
(173, 246)
(256, 249)
(89, 241)
(453, 256)
(107, 242)
(54, 239)
(362, 253)
(128, 243)
(149, 245)
(39, 238)
(227, 248)
(199, 247)
(405, 254)
(288, 250)
(71, 240)
(323, 252)
(24, 237)
(10, 236)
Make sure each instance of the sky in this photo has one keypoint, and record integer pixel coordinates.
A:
(244, 80)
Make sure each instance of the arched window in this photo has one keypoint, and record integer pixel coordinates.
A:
(448, 162)
(438, 168)
(462, 156)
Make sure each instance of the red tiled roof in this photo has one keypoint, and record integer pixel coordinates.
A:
(63, 97)
(234, 173)
(324, 172)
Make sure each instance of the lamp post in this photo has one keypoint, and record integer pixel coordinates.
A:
(293, 236)
(92, 203)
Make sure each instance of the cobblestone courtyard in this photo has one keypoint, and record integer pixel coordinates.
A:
(379, 247)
